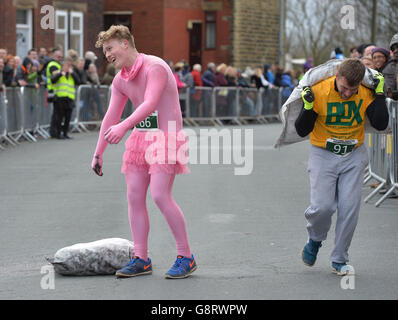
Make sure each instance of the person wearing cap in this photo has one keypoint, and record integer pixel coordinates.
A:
(64, 82)
(390, 70)
(380, 57)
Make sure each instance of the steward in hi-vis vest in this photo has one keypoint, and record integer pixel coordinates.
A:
(63, 84)
(334, 114)
(52, 67)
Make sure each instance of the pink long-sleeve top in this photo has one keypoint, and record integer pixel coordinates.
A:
(150, 85)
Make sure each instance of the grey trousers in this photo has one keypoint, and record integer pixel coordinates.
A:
(336, 184)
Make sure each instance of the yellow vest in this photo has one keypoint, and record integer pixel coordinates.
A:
(49, 75)
(65, 87)
(338, 118)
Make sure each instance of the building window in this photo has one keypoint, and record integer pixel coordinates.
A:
(210, 30)
(69, 30)
(24, 32)
(76, 32)
(122, 18)
(61, 29)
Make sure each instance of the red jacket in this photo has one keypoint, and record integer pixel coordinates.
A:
(197, 78)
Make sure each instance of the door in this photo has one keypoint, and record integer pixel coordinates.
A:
(195, 44)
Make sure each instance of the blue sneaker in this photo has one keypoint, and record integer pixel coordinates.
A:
(342, 269)
(182, 268)
(310, 251)
(136, 267)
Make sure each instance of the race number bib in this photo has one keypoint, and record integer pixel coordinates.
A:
(150, 123)
(340, 147)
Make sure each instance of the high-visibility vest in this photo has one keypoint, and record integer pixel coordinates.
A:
(49, 75)
(65, 87)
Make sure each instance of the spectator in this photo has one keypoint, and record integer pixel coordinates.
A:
(247, 98)
(2, 85)
(337, 53)
(231, 75)
(208, 81)
(196, 95)
(43, 56)
(241, 81)
(278, 77)
(9, 72)
(109, 75)
(79, 69)
(57, 57)
(64, 82)
(187, 76)
(354, 52)
(51, 69)
(269, 73)
(208, 75)
(92, 75)
(18, 62)
(247, 76)
(93, 79)
(368, 50)
(368, 62)
(219, 78)
(256, 79)
(178, 68)
(178, 75)
(74, 56)
(361, 48)
(90, 57)
(3, 54)
(287, 84)
(380, 57)
(32, 55)
(221, 96)
(307, 66)
(390, 70)
(197, 79)
(25, 77)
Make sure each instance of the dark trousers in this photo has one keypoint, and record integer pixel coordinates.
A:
(60, 119)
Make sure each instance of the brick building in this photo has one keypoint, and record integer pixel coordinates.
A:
(256, 34)
(75, 21)
(238, 32)
(195, 30)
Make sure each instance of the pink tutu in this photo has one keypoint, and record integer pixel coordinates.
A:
(156, 151)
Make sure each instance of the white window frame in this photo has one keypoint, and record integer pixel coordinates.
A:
(64, 31)
(27, 26)
(77, 14)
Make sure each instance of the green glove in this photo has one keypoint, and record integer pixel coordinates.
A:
(379, 83)
(308, 97)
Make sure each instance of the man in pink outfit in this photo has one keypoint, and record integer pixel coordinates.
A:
(155, 151)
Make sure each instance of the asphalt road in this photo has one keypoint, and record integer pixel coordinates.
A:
(246, 231)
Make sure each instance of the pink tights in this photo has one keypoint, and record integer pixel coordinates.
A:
(161, 186)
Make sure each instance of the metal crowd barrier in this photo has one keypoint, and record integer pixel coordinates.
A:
(383, 157)
(232, 104)
(25, 113)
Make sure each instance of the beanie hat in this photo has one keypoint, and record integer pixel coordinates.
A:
(381, 50)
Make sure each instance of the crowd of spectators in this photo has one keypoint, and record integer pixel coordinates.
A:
(31, 70)
(384, 60)
(222, 75)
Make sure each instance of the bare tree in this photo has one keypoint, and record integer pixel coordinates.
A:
(313, 28)
(309, 26)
